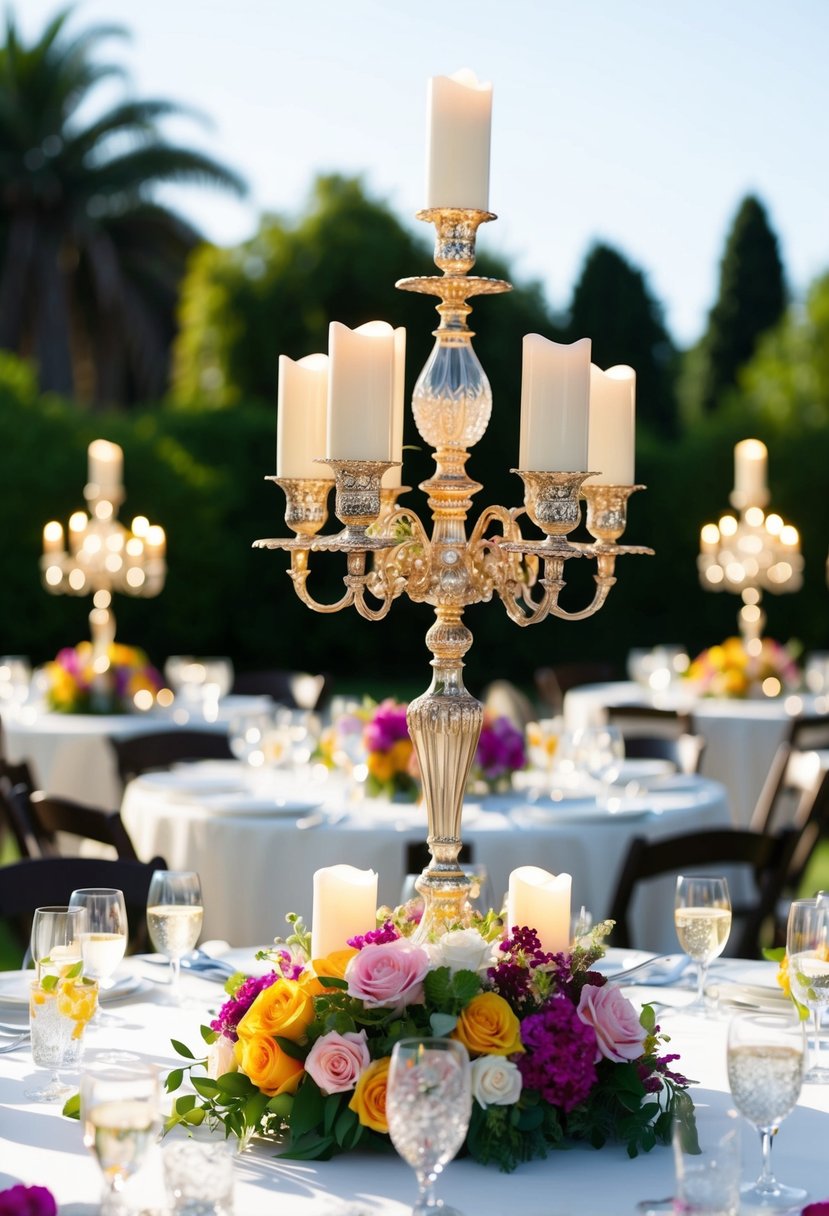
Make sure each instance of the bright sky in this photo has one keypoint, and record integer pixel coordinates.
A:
(640, 123)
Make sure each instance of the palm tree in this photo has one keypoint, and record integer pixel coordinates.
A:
(90, 264)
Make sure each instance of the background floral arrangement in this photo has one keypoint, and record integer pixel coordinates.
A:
(729, 670)
(27, 1201)
(557, 1053)
(70, 679)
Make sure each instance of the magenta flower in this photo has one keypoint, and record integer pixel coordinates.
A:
(232, 1012)
(27, 1201)
(387, 727)
(500, 749)
(559, 1061)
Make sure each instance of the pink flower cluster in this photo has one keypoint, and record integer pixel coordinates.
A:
(387, 727)
(27, 1201)
(388, 975)
(500, 749)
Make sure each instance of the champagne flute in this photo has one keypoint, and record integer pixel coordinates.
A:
(765, 1071)
(428, 1104)
(58, 1005)
(174, 917)
(702, 916)
(120, 1114)
(103, 945)
(807, 947)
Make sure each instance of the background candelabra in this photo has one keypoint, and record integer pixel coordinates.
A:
(102, 555)
(754, 552)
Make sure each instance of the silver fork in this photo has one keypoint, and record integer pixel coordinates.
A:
(13, 1044)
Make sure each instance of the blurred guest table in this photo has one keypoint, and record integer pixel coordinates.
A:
(43, 1148)
(256, 842)
(741, 736)
(69, 754)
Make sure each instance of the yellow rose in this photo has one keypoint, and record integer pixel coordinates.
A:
(400, 754)
(380, 766)
(285, 1008)
(267, 1065)
(333, 966)
(488, 1027)
(369, 1099)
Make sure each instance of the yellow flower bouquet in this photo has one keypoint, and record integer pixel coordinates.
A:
(737, 668)
(74, 686)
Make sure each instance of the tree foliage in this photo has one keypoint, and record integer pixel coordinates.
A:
(89, 264)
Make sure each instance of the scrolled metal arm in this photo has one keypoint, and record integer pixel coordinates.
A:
(299, 573)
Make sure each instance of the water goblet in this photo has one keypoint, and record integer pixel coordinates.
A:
(60, 1003)
(707, 1163)
(174, 917)
(428, 1105)
(702, 917)
(103, 945)
(765, 1058)
(807, 947)
(120, 1115)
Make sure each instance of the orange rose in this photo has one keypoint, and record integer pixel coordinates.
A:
(285, 1008)
(333, 966)
(369, 1099)
(488, 1027)
(267, 1065)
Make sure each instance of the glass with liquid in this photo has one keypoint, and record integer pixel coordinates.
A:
(121, 1122)
(807, 949)
(702, 917)
(59, 1008)
(174, 917)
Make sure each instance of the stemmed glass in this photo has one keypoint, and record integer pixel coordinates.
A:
(58, 1007)
(807, 946)
(428, 1104)
(702, 917)
(174, 917)
(103, 944)
(120, 1113)
(765, 1073)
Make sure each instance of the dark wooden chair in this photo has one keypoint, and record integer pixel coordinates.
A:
(768, 857)
(39, 882)
(684, 752)
(648, 720)
(52, 815)
(160, 749)
(793, 774)
(809, 831)
(16, 818)
(293, 689)
(552, 683)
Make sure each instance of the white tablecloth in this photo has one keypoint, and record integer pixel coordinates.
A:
(257, 866)
(38, 1146)
(741, 737)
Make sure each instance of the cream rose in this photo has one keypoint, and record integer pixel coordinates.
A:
(496, 1081)
(221, 1057)
(461, 950)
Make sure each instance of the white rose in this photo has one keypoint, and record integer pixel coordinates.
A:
(496, 1081)
(461, 950)
(221, 1057)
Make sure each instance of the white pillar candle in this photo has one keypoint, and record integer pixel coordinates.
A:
(345, 905)
(750, 460)
(394, 477)
(541, 901)
(106, 464)
(155, 542)
(53, 537)
(301, 417)
(611, 429)
(458, 139)
(555, 394)
(360, 389)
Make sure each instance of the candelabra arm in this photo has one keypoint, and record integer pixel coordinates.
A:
(299, 573)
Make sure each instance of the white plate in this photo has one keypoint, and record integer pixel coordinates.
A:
(644, 769)
(568, 812)
(751, 996)
(249, 804)
(15, 986)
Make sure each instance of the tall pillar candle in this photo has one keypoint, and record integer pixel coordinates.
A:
(611, 430)
(360, 390)
(750, 460)
(345, 905)
(555, 395)
(301, 418)
(53, 537)
(394, 477)
(457, 158)
(541, 901)
(106, 465)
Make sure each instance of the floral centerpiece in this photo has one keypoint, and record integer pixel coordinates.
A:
(301, 1054)
(27, 1201)
(500, 753)
(737, 668)
(73, 686)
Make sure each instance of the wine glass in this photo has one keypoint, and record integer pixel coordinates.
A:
(120, 1114)
(702, 917)
(103, 943)
(174, 917)
(807, 946)
(765, 1072)
(60, 1004)
(428, 1104)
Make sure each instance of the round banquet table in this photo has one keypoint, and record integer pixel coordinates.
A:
(39, 1147)
(741, 736)
(256, 851)
(69, 753)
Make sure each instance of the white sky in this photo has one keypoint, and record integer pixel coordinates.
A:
(639, 122)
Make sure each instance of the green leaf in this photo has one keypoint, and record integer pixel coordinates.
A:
(290, 1048)
(282, 1105)
(209, 1036)
(465, 985)
(195, 1116)
(774, 954)
(74, 971)
(647, 1018)
(333, 981)
(331, 1108)
(311, 1147)
(174, 1079)
(255, 1108)
(72, 1107)
(438, 987)
(344, 1126)
(49, 983)
(205, 1086)
(182, 1049)
(235, 1085)
(308, 1108)
(442, 1023)
(185, 1103)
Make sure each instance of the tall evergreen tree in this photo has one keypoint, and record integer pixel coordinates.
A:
(751, 299)
(613, 306)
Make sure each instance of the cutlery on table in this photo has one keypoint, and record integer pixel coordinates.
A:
(12, 1044)
(670, 968)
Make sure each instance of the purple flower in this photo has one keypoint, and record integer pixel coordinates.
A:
(387, 727)
(560, 1054)
(232, 1012)
(375, 937)
(500, 749)
(27, 1201)
(512, 975)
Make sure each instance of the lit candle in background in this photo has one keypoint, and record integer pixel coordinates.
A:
(155, 542)
(394, 477)
(345, 905)
(750, 461)
(301, 419)
(458, 139)
(709, 538)
(555, 394)
(77, 527)
(106, 465)
(611, 430)
(541, 901)
(53, 537)
(360, 390)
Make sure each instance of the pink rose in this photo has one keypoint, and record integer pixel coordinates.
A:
(619, 1034)
(388, 975)
(336, 1061)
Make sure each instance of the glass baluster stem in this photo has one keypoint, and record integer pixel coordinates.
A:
(767, 1180)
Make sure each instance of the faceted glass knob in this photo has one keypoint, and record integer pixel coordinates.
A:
(452, 399)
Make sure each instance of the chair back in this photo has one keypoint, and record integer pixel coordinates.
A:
(792, 779)
(53, 815)
(648, 720)
(684, 752)
(160, 749)
(552, 683)
(15, 814)
(809, 832)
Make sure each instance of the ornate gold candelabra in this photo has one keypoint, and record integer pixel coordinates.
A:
(449, 570)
